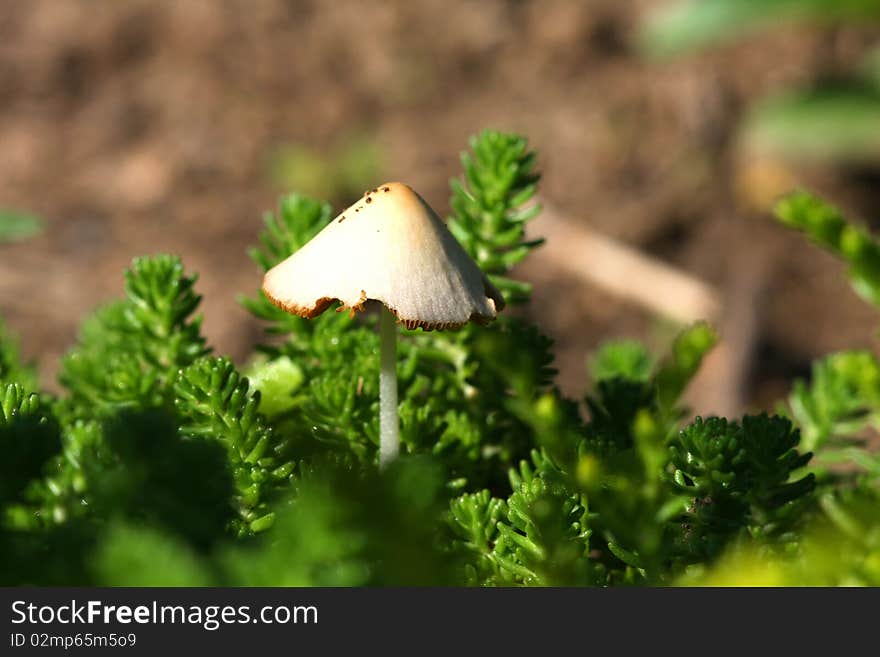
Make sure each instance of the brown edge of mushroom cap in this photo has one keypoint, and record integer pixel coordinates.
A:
(324, 302)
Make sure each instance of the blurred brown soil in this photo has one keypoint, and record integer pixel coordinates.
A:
(136, 126)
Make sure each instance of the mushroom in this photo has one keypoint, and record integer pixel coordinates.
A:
(389, 246)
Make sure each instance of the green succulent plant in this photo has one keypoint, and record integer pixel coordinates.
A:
(160, 463)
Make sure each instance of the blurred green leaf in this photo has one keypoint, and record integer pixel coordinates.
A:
(869, 68)
(825, 225)
(341, 172)
(625, 359)
(15, 226)
(12, 368)
(837, 123)
(133, 555)
(689, 25)
(346, 527)
(154, 477)
(678, 369)
(277, 381)
(840, 548)
(301, 168)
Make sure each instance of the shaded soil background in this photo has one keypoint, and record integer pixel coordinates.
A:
(135, 127)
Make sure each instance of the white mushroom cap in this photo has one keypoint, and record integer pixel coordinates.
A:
(392, 247)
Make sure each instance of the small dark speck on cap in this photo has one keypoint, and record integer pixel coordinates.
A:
(342, 218)
(369, 200)
(357, 209)
(386, 189)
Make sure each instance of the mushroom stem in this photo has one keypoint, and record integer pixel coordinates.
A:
(389, 434)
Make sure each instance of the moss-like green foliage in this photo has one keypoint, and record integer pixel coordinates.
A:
(453, 385)
(130, 350)
(489, 218)
(162, 465)
(837, 412)
(299, 219)
(349, 527)
(738, 476)
(214, 402)
(12, 369)
(153, 477)
(28, 437)
(842, 401)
